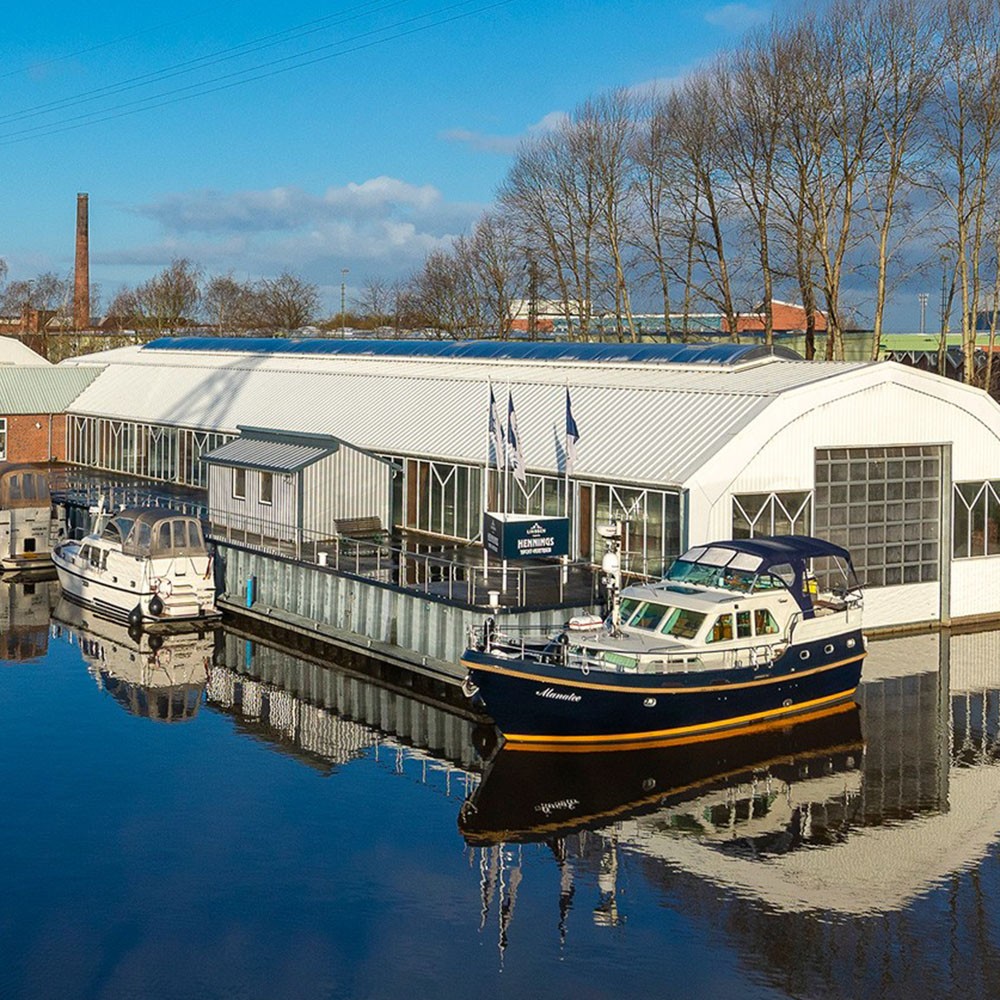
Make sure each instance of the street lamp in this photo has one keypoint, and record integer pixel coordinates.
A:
(344, 272)
(923, 296)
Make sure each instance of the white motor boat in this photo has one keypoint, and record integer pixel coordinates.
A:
(142, 565)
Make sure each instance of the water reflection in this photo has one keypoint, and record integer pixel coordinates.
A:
(154, 675)
(763, 792)
(25, 606)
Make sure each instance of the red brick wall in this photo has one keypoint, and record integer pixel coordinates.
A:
(28, 437)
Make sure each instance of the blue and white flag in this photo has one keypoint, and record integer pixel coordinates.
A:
(496, 430)
(514, 456)
(572, 436)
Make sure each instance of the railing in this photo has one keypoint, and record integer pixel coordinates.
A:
(463, 577)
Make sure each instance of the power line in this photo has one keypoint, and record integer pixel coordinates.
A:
(227, 81)
(200, 62)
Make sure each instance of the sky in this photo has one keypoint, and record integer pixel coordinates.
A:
(340, 142)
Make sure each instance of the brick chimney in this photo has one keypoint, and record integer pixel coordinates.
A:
(81, 283)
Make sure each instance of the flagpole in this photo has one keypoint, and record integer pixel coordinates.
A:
(565, 558)
(486, 484)
(506, 498)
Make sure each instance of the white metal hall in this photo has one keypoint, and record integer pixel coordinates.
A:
(685, 443)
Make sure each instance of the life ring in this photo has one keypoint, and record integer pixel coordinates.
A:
(164, 587)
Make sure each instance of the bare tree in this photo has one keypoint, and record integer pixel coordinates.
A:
(498, 264)
(229, 304)
(170, 299)
(285, 302)
(966, 129)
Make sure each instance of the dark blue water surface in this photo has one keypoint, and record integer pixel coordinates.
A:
(243, 822)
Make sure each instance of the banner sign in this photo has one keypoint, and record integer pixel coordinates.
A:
(521, 536)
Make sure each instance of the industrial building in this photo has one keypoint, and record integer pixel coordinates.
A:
(684, 443)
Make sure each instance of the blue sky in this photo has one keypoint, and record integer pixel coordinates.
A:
(255, 138)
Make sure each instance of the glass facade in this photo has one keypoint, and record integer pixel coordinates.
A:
(884, 506)
(651, 521)
(976, 519)
(150, 451)
(756, 514)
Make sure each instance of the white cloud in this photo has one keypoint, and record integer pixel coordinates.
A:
(504, 145)
(381, 227)
(737, 16)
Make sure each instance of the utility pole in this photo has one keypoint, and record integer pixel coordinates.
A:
(923, 297)
(344, 272)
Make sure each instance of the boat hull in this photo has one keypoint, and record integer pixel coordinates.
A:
(116, 598)
(535, 703)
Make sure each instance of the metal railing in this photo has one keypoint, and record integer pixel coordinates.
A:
(461, 577)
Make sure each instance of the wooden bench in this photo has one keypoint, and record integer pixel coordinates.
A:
(360, 527)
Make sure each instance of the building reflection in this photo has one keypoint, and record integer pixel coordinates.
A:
(25, 606)
(844, 817)
(154, 675)
(328, 714)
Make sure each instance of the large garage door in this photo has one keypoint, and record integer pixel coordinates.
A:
(884, 505)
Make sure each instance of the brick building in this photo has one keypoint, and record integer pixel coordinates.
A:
(33, 401)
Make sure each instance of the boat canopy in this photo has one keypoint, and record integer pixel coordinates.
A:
(785, 558)
(24, 486)
(153, 532)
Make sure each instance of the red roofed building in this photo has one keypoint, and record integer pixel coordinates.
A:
(786, 318)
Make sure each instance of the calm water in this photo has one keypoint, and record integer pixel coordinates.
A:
(223, 819)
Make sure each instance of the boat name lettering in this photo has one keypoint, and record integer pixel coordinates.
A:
(567, 805)
(558, 695)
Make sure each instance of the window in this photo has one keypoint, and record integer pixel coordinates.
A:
(884, 506)
(3, 439)
(722, 629)
(266, 487)
(648, 616)
(976, 519)
(239, 484)
(756, 514)
(764, 623)
(682, 624)
(743, 630)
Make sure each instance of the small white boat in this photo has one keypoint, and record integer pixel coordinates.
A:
(142, 565)
(30, 522)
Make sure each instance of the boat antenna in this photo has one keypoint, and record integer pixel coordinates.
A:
(611, 568)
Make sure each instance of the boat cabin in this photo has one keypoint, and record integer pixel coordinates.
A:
(741, 594)
(154, 534)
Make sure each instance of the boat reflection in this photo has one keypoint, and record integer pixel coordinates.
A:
(749, 791)
(25, 605)
(159, 676)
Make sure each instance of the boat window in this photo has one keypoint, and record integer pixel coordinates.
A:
(682, 624)
(85, 552)
(164, 542)
(15, 487)
(739, 580)
(194, 535)
(95, 557)
(764, 623)
(28, 485)
(743, 627)
(144, 536)
(627, 608)
(694, 573)
(785, 573)
(180, 535)
(722, 629)
(648, 616)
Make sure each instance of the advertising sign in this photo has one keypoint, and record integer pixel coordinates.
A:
(521, 536)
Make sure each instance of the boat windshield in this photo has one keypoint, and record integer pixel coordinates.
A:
(682, 623)
(652, 617)
(703, 575)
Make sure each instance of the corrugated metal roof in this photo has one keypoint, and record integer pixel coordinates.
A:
(42, 388)
(274, 456)
(637, 422)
